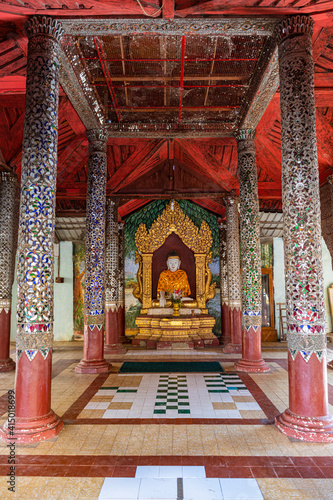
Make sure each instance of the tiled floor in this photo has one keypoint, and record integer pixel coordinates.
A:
(132, 434)
(220, 395)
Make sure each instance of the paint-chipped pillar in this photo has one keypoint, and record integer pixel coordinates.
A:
(121, 283)
(8, 242)
(307, 417)
(234, 276)
(94, 320)
(251, 360)
(34, 419)
(224, 292)
(111, 278)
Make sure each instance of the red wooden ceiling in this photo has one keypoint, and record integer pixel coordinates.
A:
(157, 166)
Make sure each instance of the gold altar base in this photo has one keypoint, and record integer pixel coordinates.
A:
(181, 332)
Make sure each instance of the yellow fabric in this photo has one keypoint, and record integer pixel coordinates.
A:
(170, 281)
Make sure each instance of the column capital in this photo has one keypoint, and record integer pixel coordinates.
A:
(8, 177)
(98, 139)
(231, 199)
(222, 223)
(112, 201)
(245, 134)
(294, 25)
(43, 25)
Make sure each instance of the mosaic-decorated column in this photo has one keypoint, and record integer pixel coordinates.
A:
(250, 255)
(8, 242)
(111, 277)
(93, 348)
(307, 417)
(224, 293)
(34, 419)
(121, 283)
(234, 276)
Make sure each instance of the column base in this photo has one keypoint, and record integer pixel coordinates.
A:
(258, 366)
(232, 348)
(114, 349)
(93, 366)
(32, 430)
(310, 429)
(7, 365)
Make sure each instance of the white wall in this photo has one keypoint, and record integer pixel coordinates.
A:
(63, 296)
(279, 283)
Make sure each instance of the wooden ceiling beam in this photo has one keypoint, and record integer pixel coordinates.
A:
(131, 206)
(205, 160)
(136, 164)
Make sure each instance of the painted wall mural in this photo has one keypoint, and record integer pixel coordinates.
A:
(79, 277)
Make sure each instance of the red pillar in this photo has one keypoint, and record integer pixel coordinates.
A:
(250, 255)
(94, 320)
(307, 417)
(234, 277)
(34, 418)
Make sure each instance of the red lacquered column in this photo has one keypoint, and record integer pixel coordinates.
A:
(307, 417)
(250, 256)
(94, 320)
(224, 294)
(112, 344)
(234, 277)
(34, 418)
(8, 243)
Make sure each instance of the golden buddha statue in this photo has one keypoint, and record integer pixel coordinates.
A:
(172, 279)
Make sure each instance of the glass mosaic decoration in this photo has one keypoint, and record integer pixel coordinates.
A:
(38, 186)
(250, 229)
(8, 236)
(111, 255)
(300, 189)
(95, 233)
(234, 277)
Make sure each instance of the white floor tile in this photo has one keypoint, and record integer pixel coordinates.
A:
(147, 471)
(157, 489)
(194, 471)
(202, 489)
(168, 471)
(244, 489)
(119, 488)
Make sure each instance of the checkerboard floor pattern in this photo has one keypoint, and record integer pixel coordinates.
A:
(172, 394)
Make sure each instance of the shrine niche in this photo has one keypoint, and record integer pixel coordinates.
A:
(174, 236)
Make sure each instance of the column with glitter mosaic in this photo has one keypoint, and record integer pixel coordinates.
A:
(224, 293)
(8, 242)
(93, 349)
(34, 419)
(121, 283)
(234, 277)
(250, 254)
(111, 276)
(307, 417)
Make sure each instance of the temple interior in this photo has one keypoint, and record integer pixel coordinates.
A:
(166, 245)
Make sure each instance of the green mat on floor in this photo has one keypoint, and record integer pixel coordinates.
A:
(170, 367)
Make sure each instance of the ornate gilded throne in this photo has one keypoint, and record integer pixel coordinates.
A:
(157, 327)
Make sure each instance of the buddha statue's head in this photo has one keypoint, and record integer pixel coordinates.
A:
(173, 262)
